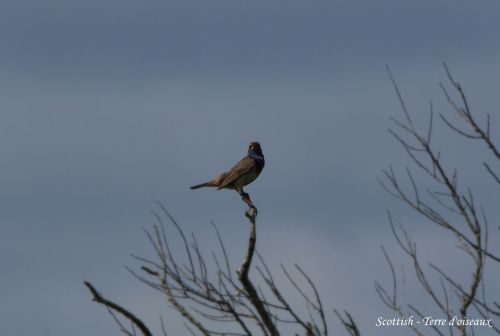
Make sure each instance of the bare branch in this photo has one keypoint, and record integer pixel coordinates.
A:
(245, 281)
(113, 306)
(348, 323)
(471, 231)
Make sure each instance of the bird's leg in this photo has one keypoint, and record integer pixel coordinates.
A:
(246, 198)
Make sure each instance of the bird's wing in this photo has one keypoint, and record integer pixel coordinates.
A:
(241, 168)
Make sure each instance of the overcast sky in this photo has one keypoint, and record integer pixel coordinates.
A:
(108, 106)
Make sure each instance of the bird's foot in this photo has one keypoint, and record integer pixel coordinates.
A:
(246, 198)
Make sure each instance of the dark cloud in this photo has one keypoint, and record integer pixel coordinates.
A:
(108, 106)
(178, 38)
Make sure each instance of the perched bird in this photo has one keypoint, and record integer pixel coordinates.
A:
(243, 173)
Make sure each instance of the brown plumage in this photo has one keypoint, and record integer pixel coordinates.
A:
(242, 174)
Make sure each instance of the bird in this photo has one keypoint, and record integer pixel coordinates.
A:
(243, 173)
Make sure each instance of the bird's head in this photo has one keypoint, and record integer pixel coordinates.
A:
(254, 150)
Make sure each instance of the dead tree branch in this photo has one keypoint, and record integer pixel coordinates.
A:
(115, 307)
(247, 284)
(471, 231)
(210, 300)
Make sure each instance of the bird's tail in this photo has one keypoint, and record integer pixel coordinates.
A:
(206, 184)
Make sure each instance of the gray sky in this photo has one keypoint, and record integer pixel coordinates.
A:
(108, 106)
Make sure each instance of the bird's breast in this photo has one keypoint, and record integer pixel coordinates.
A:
(259, 165)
